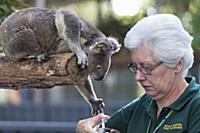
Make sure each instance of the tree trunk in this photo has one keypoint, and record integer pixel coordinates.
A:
(60, 69)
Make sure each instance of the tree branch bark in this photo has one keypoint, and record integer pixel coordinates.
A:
(60, 69)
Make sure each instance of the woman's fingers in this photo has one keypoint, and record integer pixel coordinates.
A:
(87, 125)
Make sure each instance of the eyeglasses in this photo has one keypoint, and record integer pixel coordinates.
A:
(144, 68)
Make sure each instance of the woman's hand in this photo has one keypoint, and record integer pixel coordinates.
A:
(88, 125)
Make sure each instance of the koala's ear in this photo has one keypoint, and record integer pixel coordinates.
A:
(99, 47)
(115, 46)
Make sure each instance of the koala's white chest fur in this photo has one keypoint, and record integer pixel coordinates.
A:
(60, 24)
(63, 41)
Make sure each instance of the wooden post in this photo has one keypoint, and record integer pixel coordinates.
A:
(60, 69)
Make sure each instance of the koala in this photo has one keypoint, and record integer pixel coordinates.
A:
(40, 32)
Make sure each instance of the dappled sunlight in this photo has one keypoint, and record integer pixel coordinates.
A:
(126, 7)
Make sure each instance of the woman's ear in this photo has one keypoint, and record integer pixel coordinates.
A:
(179, 66)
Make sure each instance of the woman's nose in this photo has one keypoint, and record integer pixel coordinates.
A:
(139, 76)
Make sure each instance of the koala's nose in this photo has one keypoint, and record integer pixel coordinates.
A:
(99, 67)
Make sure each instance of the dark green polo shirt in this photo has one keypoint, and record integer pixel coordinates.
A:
(139, 116)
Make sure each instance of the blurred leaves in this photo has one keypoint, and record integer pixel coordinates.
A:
(9, 6)
(117, 26)
(187, 10)
(195, 11)
(184, 9)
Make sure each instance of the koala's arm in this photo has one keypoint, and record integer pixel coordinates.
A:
(87, 91)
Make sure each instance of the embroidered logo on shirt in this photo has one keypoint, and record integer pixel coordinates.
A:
(173, 126)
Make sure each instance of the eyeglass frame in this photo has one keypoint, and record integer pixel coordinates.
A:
(144, 70)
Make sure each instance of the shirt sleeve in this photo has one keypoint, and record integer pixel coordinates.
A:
(194, 119)
(120, 119)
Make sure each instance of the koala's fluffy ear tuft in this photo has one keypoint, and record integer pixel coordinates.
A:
(115, 46)
(100, 47)
(106, 45)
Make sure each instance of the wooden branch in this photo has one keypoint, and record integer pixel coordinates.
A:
(60, 69)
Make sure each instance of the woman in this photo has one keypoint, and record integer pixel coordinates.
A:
(161, 55)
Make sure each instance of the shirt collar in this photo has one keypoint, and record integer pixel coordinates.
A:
(150, 106)
(189, 93)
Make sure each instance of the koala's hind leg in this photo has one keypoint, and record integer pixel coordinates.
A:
(87, 91)
(21, 44)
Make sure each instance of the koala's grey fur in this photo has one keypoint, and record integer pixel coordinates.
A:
(39, 32)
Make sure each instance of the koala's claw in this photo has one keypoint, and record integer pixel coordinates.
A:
(82, 59)
(97, 106)
(42, 58)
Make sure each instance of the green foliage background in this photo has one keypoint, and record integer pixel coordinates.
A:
(9, 6)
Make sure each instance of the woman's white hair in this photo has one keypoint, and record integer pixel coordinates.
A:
(165, 36)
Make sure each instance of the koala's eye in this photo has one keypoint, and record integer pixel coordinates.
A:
(86, 53)
(99, 67)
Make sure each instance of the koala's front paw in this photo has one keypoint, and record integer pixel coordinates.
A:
(82, 59)
(97, 106)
